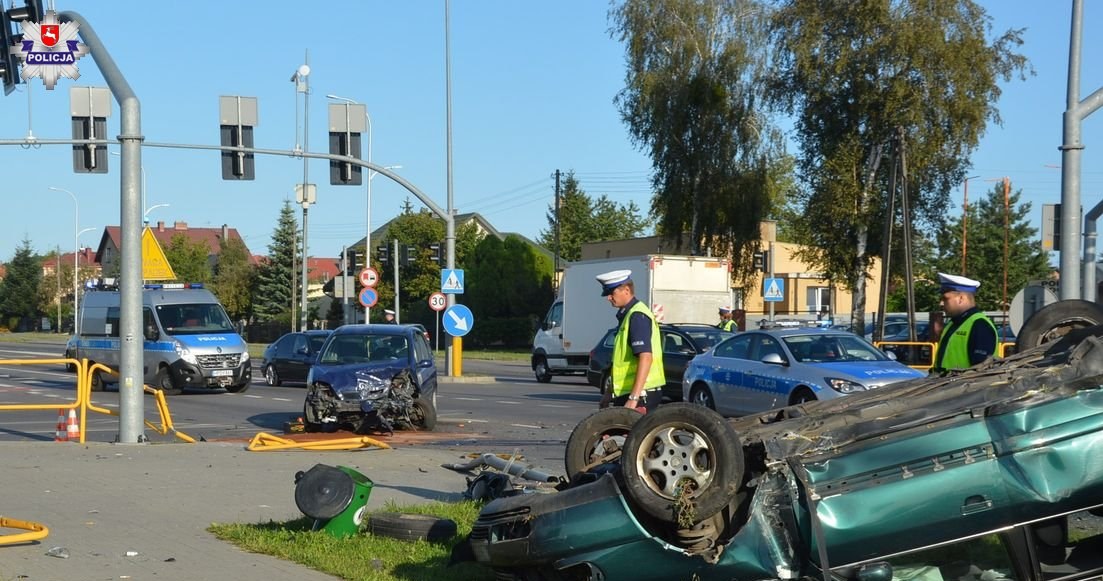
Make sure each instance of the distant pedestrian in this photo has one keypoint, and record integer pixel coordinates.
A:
(726, 323)
(637, 374)
(969, 336)
(388, 317)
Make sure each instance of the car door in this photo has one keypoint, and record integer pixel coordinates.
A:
(284, 348)
(424, 365)
(726, 376)
(298, 361)
(678, 350)
(765, 385)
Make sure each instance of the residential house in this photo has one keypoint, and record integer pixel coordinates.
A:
(107, 253)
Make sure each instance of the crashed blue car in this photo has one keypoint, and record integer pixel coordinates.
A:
(371, 378)
(762, 370)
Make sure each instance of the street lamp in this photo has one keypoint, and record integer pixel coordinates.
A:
(143, 166)
(76, 255)
(145, 216)
(367, 236)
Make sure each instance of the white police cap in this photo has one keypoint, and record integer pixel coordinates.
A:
(611, 280)
(388, 311)
(725, 309)
(953, 282)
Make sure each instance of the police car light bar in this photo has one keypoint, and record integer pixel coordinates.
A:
(173, 285)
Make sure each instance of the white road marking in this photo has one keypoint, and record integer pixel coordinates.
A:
(253, 396)
(527, 426)
(468, 398)
(554, 405)
(502, 401)
(283, 399)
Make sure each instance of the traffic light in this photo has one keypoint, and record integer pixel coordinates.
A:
(435, 249)
(409, 255)
(9, 68)
(346, 124)
(761, 260)
(384, 254)
(237, 117)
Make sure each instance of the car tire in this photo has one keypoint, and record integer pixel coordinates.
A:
(425, 415)
(592, 431)
(606, 383)
(540, 369)
(271, 377)
(71, 368)
(1054, 321)
(165, 384)
(411, 527)
(801, 395)
(310, 423)
(239, 388)
(696, 444)
(701, 395)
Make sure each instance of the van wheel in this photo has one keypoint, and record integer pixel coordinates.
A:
(164, 382)
(540, 368)
(97, 380)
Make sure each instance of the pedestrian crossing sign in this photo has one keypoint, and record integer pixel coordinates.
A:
(451, 281)
(773, 290)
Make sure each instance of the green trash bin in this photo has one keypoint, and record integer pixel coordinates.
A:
(335, 497)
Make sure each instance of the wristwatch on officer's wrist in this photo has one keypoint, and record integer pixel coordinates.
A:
(633, 398)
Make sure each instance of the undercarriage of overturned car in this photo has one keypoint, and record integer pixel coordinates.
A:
(888, 484)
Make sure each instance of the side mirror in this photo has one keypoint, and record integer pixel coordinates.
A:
(151, 333)
(426, 363)
(773, 359)
(303, 351)
(687, 350)
(890, 354)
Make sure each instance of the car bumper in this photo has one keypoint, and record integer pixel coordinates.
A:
(190, 375)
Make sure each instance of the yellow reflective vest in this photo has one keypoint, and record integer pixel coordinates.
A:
(625, 362)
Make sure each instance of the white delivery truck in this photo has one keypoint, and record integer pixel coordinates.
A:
(679, 289)
(189, 339)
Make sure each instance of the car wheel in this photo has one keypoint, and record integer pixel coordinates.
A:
(682, 464)
(424, 415)
(1053, 322)
(165, 384)
(69, 366)
(540, 368)
(411, 527)
(597, 436)
(240, 388)
(801, 395)
(702, 396)
(271, 377)
(606, 384)
(310, 422)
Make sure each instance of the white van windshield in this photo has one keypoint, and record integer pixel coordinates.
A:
(194, 319)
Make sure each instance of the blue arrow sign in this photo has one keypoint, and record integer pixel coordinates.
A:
(458, 320)
(368, 297)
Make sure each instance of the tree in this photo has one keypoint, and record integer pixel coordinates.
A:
(858, 75)
(19, 289)
(508, 286)
(693, 100)
(582, 219)
(234, 279)
(273, 284)
(190, 260)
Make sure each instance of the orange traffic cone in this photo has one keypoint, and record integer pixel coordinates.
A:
(62, 433)
(72, 427)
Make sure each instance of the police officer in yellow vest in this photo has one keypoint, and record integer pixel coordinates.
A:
(969, 337)
(637, 372)
(726, 323)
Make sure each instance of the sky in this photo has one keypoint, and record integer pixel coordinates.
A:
(533, 87)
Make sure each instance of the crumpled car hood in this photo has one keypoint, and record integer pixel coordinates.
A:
(348, 377)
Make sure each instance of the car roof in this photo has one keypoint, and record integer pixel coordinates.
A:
(374, 329)
(797, 331)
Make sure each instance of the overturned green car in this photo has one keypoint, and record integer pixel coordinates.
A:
(990, 474)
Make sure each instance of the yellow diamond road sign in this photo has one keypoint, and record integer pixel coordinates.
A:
(154, 264)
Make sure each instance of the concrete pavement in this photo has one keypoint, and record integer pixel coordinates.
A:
(101, 501)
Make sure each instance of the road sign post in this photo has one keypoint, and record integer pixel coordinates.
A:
(437, 302)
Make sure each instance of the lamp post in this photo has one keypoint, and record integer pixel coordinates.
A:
(145, 215)
(76, 254)
(367, 236)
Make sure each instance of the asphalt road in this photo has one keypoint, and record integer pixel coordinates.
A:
(493, 407)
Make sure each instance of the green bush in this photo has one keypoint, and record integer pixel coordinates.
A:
(508, 332)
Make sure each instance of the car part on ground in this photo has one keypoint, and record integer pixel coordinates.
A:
(833, 488)
(513, 465)
(411, 527)
(1048, 325)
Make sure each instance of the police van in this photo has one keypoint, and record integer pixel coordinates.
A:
(189, 339)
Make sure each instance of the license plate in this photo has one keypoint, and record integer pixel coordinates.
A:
(222, 372)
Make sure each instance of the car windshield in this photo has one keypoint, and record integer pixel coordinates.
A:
(350, 349)
(194, 319)
(830, 348)
(316, 342)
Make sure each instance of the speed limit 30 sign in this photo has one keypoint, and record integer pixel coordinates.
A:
(437, 302)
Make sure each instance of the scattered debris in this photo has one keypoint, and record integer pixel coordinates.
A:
(59, 552)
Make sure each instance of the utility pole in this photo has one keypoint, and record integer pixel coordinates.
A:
(395, 262)
(308, 194)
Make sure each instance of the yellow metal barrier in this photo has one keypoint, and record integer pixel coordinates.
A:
(922, 345)
(80, 403)
(263, 442)
(36, 531)
(166, 425)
